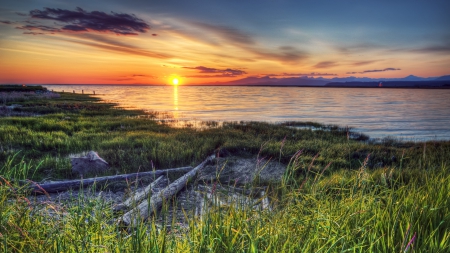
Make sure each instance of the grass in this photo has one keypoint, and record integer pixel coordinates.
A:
(337, 195)
(382, 210)
(76, 123)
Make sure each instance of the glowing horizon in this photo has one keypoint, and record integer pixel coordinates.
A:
(150, 43)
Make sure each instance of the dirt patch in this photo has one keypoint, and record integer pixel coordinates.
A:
(235, 170)
(227, 181)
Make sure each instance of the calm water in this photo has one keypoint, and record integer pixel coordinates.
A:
(410, 114)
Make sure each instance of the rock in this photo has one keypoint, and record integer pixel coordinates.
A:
(241, 171)
(90, 165)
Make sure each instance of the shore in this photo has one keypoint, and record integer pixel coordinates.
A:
(336, 193)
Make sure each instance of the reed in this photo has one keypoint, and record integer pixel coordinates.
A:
(347, 210)
(337, 195)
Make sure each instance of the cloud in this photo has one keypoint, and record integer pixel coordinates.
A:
(374, 70)
(325, 64)
(6, 22)
(122, 48)
(84, 21)
(34, 33)
(229, 34)
(233, 36)
(285, 54)
(444, 48)
(362, 63)
(301, 74)
(222, 72)
(43, 28)
(139, 75)
(135, 77)
(359, 48)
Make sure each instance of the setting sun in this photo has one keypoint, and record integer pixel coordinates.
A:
(175, 81)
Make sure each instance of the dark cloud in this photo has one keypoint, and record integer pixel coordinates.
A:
(154, 34)
(34, 33)
(223, 72)
(325, 64)
(373, 70)
(83, 21)
(43, 28)
(31, 22)
(302, 74)
(6, 22)
(21, 14)
(75, 28)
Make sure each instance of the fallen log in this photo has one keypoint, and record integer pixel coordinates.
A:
(143, 210)
(137, 197)
(61, 186)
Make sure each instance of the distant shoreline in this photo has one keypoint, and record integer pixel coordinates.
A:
(258, 85)
(386, 85)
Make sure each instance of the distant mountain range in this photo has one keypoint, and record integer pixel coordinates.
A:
(338, 81)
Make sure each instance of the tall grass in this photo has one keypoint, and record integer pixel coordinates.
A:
(345, 211)
(337, 194)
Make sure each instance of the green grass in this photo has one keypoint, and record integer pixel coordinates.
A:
(346, 211)
(337, 195)
(76, 123)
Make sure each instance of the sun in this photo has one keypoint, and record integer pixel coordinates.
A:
(175, 81)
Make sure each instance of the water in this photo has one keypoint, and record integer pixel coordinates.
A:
(408, 114)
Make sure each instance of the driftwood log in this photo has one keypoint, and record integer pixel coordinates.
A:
(143, 210)
(61, 186)
(136, 198)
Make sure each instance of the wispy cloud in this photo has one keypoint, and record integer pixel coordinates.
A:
(135, 78)
(325, 64)
(6, 22)
(284, 54)
(121, 48)
(44, 28)
(90, 28)
(373, 70)
(362, 63)
(300, 74)
(222, 72)
(444, 48)
(359, 47)
(85, 21)
(238, 38)
(230, 34)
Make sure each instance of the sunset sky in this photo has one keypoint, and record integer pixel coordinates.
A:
(204, 42)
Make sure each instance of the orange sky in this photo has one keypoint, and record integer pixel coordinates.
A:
(199, 46)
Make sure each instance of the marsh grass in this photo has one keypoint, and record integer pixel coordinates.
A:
(134, 140)
(337, 195)
(346, 211)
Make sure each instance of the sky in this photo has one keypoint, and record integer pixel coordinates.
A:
(209, 42)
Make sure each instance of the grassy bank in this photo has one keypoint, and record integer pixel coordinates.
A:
(338, 194)
(133, 140)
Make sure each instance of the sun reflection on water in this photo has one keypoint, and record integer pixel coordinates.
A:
(175, 101)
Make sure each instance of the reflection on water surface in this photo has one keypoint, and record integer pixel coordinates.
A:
(411, 114)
